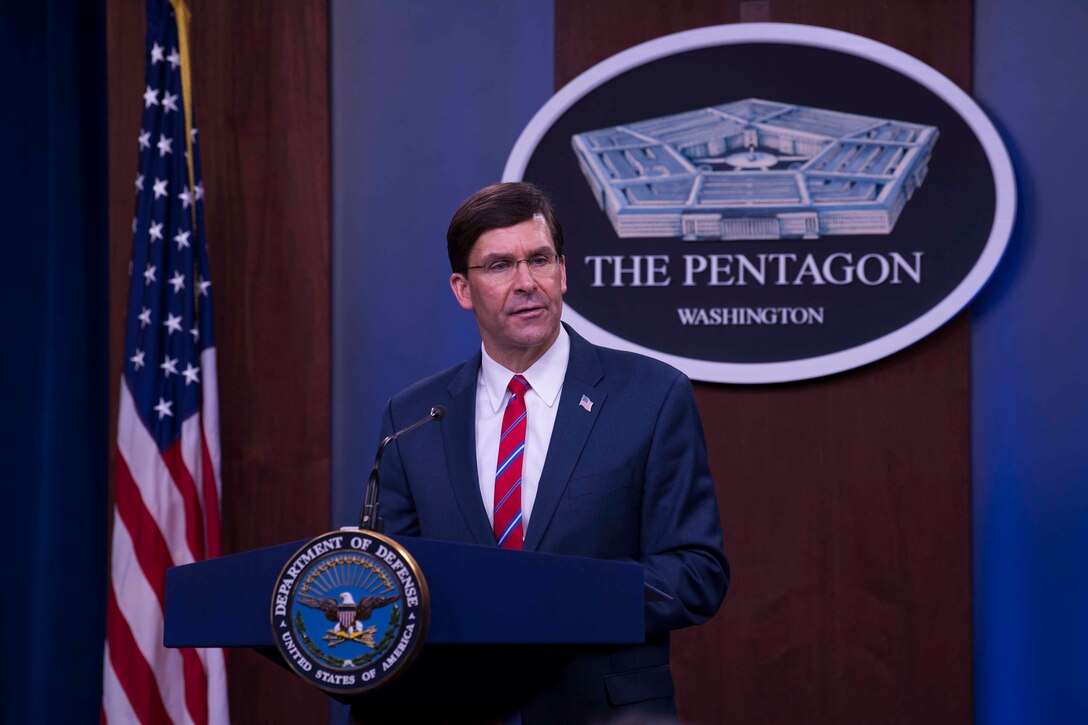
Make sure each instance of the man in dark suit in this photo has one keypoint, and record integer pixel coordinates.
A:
(552, 444)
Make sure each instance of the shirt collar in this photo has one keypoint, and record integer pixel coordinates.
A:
(545, 376)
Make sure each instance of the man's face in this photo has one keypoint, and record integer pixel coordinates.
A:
(518, 317)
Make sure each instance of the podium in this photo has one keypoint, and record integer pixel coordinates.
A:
(487, 605)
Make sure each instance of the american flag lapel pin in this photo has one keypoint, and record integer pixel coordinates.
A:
(586, 403)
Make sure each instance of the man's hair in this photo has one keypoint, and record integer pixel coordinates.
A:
(496, 207)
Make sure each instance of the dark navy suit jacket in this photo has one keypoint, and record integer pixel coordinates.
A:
(627, 479)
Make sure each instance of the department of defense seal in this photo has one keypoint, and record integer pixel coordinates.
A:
(350, 611)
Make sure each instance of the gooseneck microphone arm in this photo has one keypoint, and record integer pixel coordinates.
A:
(370, 517)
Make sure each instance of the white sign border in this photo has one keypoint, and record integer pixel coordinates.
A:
(807, 35)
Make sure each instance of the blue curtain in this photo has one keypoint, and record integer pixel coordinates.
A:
(54, 360)
(1030, 399)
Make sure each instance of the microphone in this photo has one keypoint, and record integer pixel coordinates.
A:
(369, 518)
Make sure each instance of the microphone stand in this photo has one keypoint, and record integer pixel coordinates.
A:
(370, 517)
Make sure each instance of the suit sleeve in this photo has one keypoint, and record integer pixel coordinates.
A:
(398, 507)
(681, 539)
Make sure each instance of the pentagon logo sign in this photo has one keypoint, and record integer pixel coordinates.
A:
(703, 174)
(350, 611)
(765, 202)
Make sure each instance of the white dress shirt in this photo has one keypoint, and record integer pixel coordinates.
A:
(545, 379)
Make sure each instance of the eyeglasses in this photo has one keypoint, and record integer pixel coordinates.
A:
(501, 270)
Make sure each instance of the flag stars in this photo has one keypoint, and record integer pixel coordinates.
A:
(190, 374)
(172, 324)
(156, 322)
(163, 409)
(169, 103)
(178, 280)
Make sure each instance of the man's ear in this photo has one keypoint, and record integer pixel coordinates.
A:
(461, 290)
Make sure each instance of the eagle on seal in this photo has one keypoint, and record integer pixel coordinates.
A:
(347, 610)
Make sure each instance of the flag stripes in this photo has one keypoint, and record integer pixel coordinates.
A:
(164, 503)
(135, 642)
(194, 517)
(113, 699)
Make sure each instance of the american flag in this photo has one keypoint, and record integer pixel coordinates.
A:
(167, 482)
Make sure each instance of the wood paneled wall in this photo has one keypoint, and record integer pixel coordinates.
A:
(261, 88)
(845, 500)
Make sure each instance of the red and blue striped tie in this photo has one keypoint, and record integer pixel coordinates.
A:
(507, 511)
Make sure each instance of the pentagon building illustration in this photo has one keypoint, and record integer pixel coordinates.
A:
(755, 169)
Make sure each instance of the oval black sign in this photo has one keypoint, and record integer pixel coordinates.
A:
(765, 202)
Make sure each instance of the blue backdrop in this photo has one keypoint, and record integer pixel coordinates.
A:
(1029, 396)
(53, 308)
(428, 99)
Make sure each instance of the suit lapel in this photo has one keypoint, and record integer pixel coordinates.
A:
(573, 424)
(459, 440)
